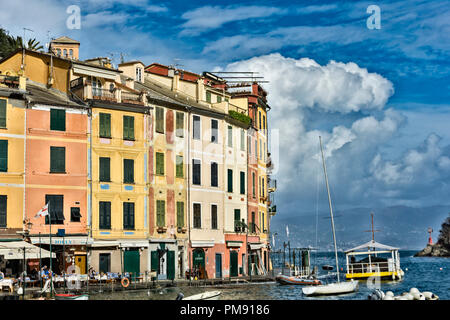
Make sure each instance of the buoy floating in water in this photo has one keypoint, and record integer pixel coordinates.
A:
(413, 294)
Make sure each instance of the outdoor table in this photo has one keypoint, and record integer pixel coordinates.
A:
(7, 283)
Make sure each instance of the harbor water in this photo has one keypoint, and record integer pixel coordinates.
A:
(425, 274)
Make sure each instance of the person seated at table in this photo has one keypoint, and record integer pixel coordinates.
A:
(44, 272)
(34, 275)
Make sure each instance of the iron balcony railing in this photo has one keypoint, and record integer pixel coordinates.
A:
(9, 81)
(370, 267)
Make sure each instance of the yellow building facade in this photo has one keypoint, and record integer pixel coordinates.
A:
(12, 173)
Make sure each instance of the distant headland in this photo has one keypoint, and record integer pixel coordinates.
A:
(442, 247)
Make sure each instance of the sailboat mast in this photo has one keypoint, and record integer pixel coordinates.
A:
(331, 209)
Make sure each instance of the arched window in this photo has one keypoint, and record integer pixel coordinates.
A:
(71, 53)
(65, 53)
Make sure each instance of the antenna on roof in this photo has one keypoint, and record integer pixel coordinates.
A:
(175, 64)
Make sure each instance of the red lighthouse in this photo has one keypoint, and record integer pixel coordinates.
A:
(430, 240)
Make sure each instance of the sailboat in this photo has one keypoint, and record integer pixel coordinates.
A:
(336, 287)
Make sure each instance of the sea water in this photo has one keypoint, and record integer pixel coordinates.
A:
(423, 273)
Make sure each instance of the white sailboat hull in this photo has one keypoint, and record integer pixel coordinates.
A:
(331, 289)
(209, 295)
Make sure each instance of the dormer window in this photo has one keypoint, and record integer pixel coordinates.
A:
(139, 74)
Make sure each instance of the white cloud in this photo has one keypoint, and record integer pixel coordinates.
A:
(360, 173)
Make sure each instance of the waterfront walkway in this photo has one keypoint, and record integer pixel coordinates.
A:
(115, 286)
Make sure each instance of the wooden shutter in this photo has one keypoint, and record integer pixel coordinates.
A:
(55, 209)
(180, 124)
(230, 136)
(196, 129)
(242, 182)
(180, 214)
(2, 113)
(105, 215)
(208, 96)
(57, 159)
(3, 211)
(154, 260)
(242, 140)
(128, 215)
(105, 169)
(3, 155)
(230, 180)
(105, 125)
(213, 216)
(160, 163)
(58, 119)
(214, 177)
(214, 131)
(159, 120)
(197, 216)
(128, 128)
(219, 99)
(179, 167)
(128, 170)
(160, 213)
(253, 185)
(196, 172)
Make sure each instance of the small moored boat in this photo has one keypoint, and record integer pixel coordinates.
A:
(208, 295)
(282, 279)
(67, 296)
(331, 288)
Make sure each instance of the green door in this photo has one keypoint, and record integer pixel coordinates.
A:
(131, 261)
(233, 263)
(198, 258)
(155, 261)
(171, 265)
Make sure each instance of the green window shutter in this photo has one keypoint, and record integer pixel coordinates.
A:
(128, 128)
(242, 140)
(160, 213)
(105, 169)
(3, 155)
(179, 167)
(213, 216)
(253, 185)
(3, 211)
(159, 120)
(128, 215)
(237, 218)
(105, 125)
(57, 159)
(128, 171)
(196, 127)
(180, 125)
(230, 180)
(230, 136)
(160, 163)
(2, 113)
(242, 182)
(180, 214)
(214, 175)
(58, 119)
(208, 96)
(219, 99)
(105, 215)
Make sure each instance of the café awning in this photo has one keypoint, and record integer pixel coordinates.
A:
(14, 250)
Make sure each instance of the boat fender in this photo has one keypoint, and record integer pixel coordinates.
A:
(389, 293)
(125, 282)
(414, 291)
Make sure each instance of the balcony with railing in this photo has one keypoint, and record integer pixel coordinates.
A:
(131, 97)
(12, 82)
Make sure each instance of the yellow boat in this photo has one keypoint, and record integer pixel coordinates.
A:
(380, 261)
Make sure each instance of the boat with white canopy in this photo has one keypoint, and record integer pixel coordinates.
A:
(375, 260)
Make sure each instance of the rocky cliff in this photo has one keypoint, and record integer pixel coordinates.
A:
(442, 247)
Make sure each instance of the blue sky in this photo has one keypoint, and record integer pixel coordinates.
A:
(391, 147)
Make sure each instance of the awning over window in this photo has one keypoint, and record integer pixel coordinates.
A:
(256, 246)
(14, 250)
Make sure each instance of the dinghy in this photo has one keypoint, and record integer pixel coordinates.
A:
(67, 296)
(331, 288)
(208, 295)
(282, 279)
